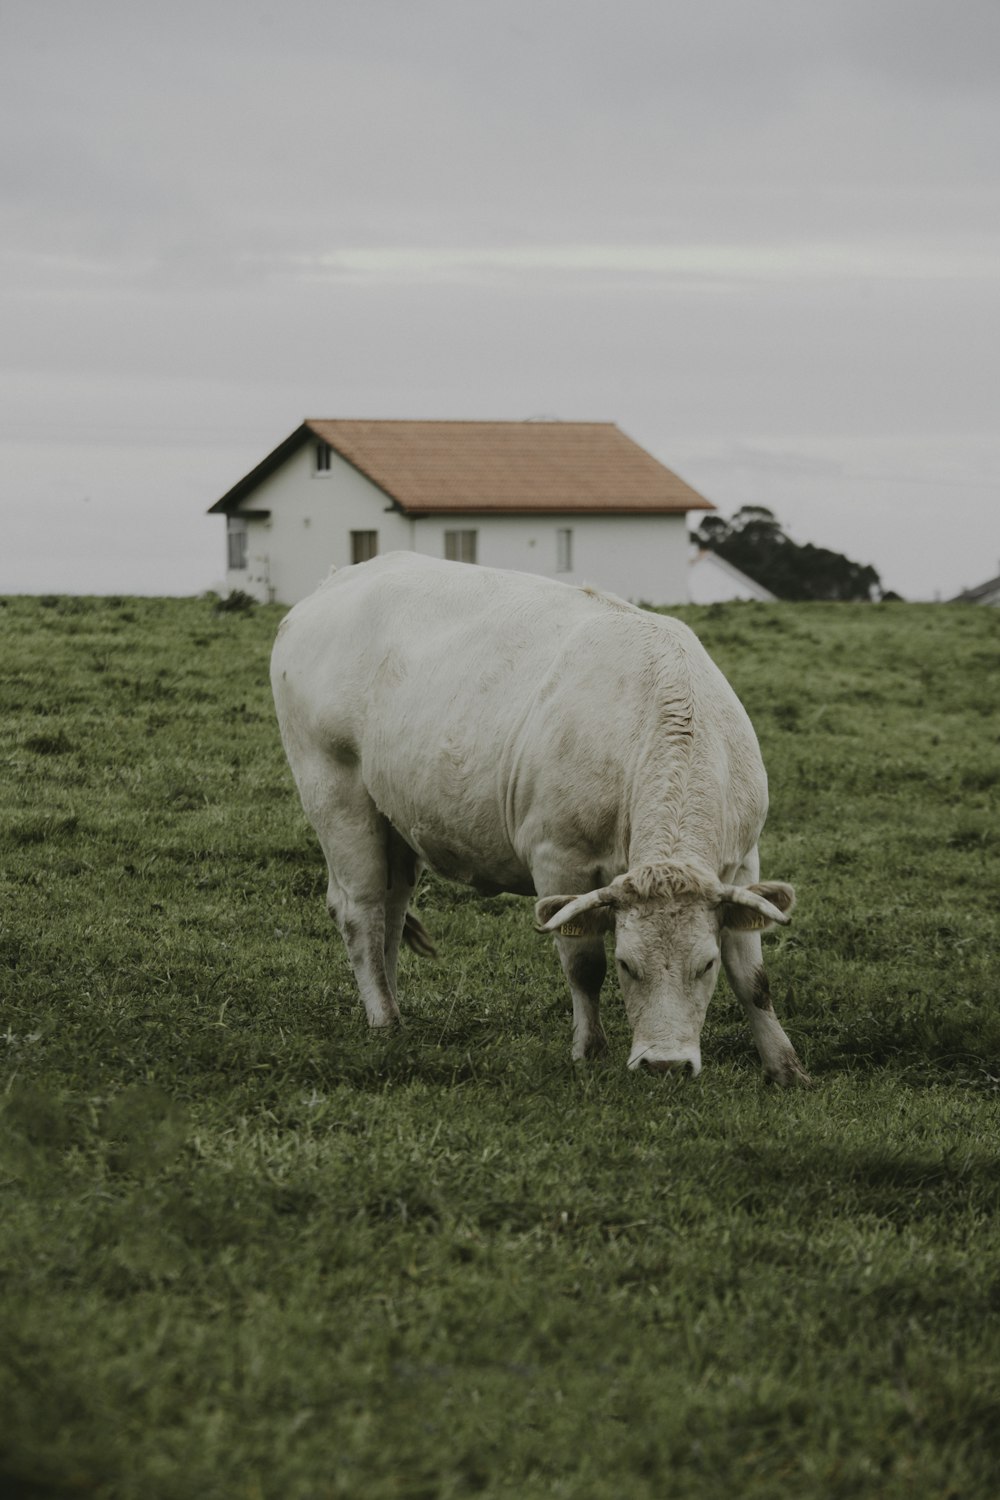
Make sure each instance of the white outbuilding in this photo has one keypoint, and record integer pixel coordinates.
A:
(579, 501)
(712, 580)
(983, 593)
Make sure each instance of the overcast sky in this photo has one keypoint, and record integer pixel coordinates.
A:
(761, 235)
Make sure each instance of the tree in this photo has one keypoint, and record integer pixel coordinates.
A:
(754, 541)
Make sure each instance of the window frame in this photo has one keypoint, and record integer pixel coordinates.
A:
(564, 549)
(461, 545)
(364, 546)
(237, 544)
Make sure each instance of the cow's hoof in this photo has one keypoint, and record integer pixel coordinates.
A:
(386, 1024)
(788, 1073)
(594, 1049)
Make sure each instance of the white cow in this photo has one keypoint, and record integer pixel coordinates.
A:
(519, 734)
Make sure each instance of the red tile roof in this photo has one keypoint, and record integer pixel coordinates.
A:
(501, 468)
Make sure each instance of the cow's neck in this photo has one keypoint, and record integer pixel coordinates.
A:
(660, 837)
(673, 818)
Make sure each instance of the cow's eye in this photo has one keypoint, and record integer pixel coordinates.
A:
(705, 968)
(627, 968)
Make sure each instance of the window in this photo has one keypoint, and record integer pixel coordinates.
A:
(564, 550)
(236, 538)
(323, 451)
(460, 546)
(364, 545)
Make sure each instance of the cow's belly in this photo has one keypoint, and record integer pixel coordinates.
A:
(465, 838)
(493, 811)
(454, 823)
(456, 860)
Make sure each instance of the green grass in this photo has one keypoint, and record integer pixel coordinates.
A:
(249, 1250)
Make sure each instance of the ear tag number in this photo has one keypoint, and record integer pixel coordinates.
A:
(571, 929)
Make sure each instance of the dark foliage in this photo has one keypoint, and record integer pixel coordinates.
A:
(754, 542)
(236, 602)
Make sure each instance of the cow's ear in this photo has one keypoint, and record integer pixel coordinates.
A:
(755, 908)
(576, 916)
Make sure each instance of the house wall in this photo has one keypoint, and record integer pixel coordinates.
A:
(638, 557)
(309, 529)
(313, 514)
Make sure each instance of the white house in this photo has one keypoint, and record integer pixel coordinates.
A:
(572, 500)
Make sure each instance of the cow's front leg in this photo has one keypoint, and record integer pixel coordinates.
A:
(585, 965)
(743, 959)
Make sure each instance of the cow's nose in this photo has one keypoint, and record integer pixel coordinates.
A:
(675, 1065)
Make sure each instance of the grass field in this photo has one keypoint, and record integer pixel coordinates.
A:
(249, 1250)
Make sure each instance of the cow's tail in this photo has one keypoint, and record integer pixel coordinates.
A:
(415, 936)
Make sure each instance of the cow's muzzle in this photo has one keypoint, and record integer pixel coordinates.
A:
(687, 1060)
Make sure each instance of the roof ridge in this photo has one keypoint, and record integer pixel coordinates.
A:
(462, 421)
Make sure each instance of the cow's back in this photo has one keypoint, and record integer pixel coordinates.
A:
(412, 638)
(481, 706)
(458, 626)
(425, 673)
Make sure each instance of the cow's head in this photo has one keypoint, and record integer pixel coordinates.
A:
(667, 921)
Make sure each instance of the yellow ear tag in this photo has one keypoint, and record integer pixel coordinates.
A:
(571, 929)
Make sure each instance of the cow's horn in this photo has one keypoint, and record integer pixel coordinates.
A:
(741, 895)
(576, 907)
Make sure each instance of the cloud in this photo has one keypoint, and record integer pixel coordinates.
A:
(222, 128)
(764, 237)
(780, 262)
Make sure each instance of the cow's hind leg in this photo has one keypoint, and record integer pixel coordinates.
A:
(402, 874)
(354, 838)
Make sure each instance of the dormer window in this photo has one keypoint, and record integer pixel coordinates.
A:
(323, 452)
